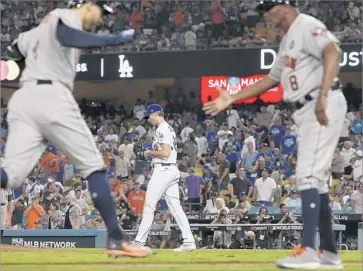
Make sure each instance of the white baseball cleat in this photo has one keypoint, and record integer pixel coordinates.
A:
(185, 248)
(329, 260)
(304, 258)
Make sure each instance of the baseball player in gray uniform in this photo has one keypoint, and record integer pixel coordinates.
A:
(5, 197)
(45, 109)
(307, 66)
(164, 181)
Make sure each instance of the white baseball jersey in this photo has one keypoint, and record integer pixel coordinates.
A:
(299, 63)
(46, 58)
(165, 135)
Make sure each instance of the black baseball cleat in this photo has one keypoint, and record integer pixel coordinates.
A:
(119, 248)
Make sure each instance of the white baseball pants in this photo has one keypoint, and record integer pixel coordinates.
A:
(164, 182)
(316, 143)
(37, 113)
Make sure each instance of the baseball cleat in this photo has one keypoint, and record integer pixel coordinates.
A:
(303, 258)
(119, 248)
(329, 260)
(185, 248)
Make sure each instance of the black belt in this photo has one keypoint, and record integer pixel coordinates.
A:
(336, 86)
(164, 164)
(44, 82)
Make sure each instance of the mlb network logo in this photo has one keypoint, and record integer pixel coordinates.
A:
(17, 241)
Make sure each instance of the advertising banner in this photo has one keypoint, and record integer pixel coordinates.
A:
(173, 64)
(50, 241)
(233, 85)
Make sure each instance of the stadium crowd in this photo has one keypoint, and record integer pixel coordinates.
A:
(240, 162)
(177, 25)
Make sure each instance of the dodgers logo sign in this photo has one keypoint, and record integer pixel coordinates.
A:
(126, 70)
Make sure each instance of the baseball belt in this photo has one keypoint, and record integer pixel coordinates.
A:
(309, 97)
(163, 164)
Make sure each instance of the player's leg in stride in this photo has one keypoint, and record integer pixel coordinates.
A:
(48, 76)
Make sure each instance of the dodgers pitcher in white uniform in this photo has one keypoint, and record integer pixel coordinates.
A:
(44, 108)
(164, 181)
(307, 66)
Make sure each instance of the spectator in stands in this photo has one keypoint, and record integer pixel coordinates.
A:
(72, 219)
(241, 184)
(82, 203)
(347, 153)
(51, 195)
(54, 217)
(193, 184)
(17, 208)
(337, 165)
(122, 166)
(222, 135)
(190, 39)
(358, 167)
(136, 199)
(334, 206)
(264, 190)
(145, 173)
(191, 150)
(143, 187)
(294, 201)
(228, 201)
(249, 156)
(111, 136)
(126, 221)
(139, 110)
(211, 204)
(32, 190)
(248, 138)
(120, 21)
(202, 144)
(223, 172)
(34, 213)
(357, 200)
(243, 202)
(187, 130)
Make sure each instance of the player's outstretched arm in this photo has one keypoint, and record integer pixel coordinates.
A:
(71, 37)
(224, 100)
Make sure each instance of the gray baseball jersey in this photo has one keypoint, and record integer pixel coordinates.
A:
(4, 196)
(299, 63)
(45, 57)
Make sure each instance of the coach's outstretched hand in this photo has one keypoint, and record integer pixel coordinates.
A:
(127, 35)
(221, 103)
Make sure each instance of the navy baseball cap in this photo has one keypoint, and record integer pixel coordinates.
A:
(153, 108)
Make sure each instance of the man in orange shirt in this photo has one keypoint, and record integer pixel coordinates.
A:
(34, 213)
(49, 163)
(136, 199)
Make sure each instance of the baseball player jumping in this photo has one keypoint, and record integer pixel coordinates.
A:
(164, 181)
(307, 66)
(45, 109)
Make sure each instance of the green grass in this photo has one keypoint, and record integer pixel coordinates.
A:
(163, 260)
